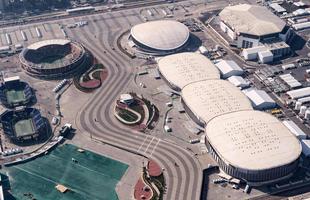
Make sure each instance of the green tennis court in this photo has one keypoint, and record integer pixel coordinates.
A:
(15, 96)
(24, 127)
(92, 177)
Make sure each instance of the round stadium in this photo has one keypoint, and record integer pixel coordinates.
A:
(253, 146)
(53, 59)
(160, 37)
(15, 93)
(25, 124)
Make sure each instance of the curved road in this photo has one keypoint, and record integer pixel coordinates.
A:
(183, 181)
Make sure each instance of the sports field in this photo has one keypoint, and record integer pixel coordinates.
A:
(92, 177)
(15, 96)
(24, 127)
(52, 59)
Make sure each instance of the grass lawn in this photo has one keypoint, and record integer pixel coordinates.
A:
(15, 96)
(92, 177)
(24, 127)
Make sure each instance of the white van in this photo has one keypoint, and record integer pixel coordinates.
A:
(167, 129)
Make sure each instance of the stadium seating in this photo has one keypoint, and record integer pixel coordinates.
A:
(67, 58)
(10, 118)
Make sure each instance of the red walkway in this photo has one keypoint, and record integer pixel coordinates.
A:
(153, 168)
(142, 191)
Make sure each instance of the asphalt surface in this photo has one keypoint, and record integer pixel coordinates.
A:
(184, 180)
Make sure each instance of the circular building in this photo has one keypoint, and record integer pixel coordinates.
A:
(205, 100)
(15, 93)
(159, 37)
(24, 124)
(253, 146)
(182, 69)
(53, 59)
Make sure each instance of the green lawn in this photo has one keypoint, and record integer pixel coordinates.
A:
(24, 127)
(15, 96)
(93, 177)
(127, 115)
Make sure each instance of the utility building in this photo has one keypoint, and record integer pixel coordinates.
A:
(239, 82)
(229, 68)
(260, 99)
(305, 147)
(300, 134)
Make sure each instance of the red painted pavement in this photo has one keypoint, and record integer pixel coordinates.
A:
(91, 84)
(140, 193)
(153, 168)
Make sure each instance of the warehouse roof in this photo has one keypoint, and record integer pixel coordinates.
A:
(11, 79)
(299, 93)
(161, 34)
(295, 129)
(305, 147)
(211, 98)
(277, 7)
(228, 68)
(252, 140)
(184, 68)
(252, 19)
(238, 81)
(38, 45)
(301, 26)
(290, 80)
(259, 98)
(266, 53)
(5, 48)
(304, 100)
(254, 50)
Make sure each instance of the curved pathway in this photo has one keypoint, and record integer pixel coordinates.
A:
(183, 181)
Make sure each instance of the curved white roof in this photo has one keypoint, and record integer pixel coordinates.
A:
(161, 35)
(184, 68)
(252, 140)
(38, 45)
(252, 19)
(211, 98)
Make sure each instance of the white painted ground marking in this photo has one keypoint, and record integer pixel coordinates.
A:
(143, 142)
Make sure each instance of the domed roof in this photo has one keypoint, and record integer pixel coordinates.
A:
(161, 35)
(184, 68)
(252, 140)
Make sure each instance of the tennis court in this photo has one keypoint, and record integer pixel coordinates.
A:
(15, 96)
(92, 177)
(24, 127)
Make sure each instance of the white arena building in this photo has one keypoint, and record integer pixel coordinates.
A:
(249, 24)
(205, 100)
(253, 146)
(182, 69)
(248, 145)
(257, 30)
(160, 37)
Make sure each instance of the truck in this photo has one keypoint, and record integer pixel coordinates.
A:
(65, 130)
